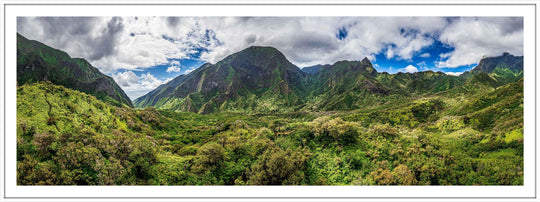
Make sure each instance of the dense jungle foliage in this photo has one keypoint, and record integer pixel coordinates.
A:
(469, 135)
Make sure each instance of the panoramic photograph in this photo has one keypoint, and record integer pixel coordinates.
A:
(354, 101)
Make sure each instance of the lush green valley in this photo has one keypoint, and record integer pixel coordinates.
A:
(68, 137)
(254, 118)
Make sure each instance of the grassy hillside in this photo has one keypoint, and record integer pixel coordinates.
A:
(451, 137)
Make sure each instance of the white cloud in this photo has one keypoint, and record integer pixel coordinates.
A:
(445, 55)
(389, 53)
(112, 43)
(173, 68)
(473, 38)
(315, 37)
(187, 71)
(410, 69)
(141, 42)
(422, 66)
(425, 55)
(126, 79)
(136, 86)
(454, 73)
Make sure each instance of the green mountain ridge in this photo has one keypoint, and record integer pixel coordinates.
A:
(261, 79)
(312, 69)
(257, 74)
(38, 62)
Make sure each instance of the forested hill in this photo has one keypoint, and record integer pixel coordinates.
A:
(39, 62)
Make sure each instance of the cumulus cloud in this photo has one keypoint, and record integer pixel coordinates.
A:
(425, 55)
(109, 43)
(454, 73)
(136, 86)
(473, 38)
(422, 66)
(188, 71)
(131, 43)
(126, 79)
(136, 43)
(173, 68)
(410, 69)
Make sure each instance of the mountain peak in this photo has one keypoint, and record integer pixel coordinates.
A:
(261, 47)
(266, 50)
(365, 60)
(256, 56)
(506, 60)
(258, 71)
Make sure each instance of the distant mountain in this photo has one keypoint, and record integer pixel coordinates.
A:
(255, 79)
(496, 71)
(419, 82)
(312, 69)
(345, 85)
(261, 79)
(39, 62)
(507, 61)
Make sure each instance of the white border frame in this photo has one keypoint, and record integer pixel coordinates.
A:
(11, 191)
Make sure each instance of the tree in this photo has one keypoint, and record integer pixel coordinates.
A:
(404, 176)
(276, 167)
(211, 157)
(328, 130)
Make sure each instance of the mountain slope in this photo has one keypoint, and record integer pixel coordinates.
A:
(312, 69)
(419, 82)
(502, 69)
(254, 75)
(261, 79)
(507, 60)
(38, 62)
(344, 85)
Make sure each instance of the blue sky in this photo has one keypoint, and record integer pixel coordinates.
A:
(141, 53)
(425, 59)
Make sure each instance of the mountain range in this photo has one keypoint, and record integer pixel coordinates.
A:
(261, 79)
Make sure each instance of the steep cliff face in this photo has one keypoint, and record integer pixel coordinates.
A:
(38, 62)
